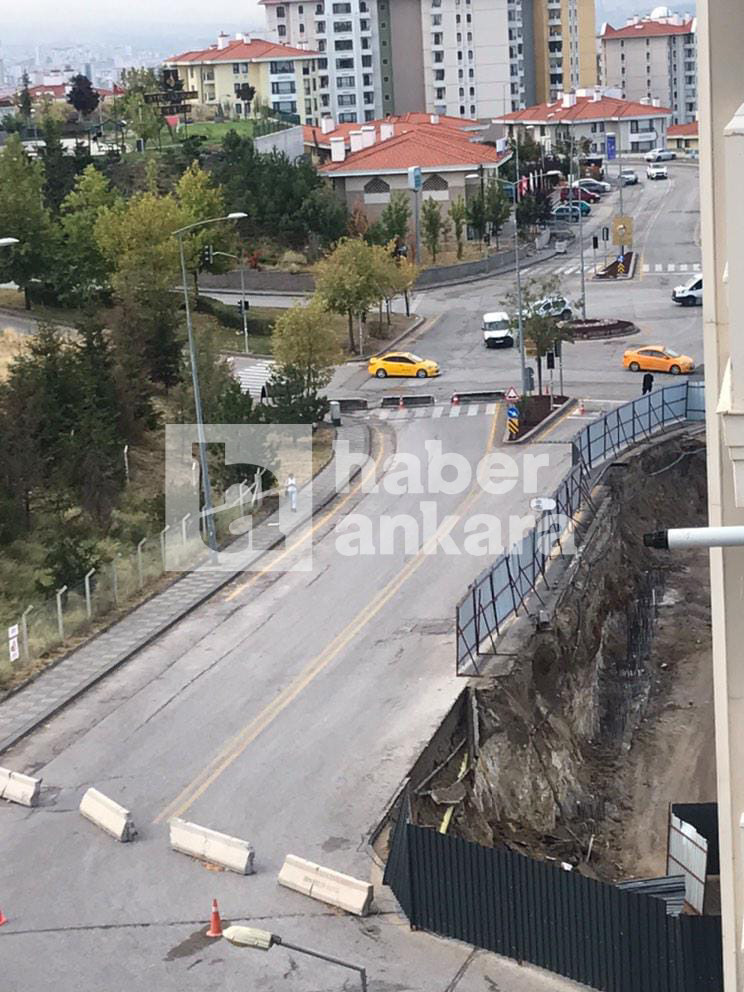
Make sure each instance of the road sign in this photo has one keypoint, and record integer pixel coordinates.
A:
(541, 503)
(620, 268)
(513, 425)
(512, 412)
(511, 394)
(605, 234)
(622, 230)
(414, 178)
(611, 147)
(13, 649)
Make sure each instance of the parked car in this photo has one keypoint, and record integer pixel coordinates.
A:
(656, 172)
(659, 155)
(628, 177)
(497, 330)
(576, 194)
(689, 294)
(657, 358)
(401, 363)
(594, 185)
(571, 212)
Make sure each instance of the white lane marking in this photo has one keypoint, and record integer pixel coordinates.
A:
(422, 411)
(438, 411)
(671, 267)
(491, 408)
(683, 267)
(696, 266)
(455, 411)
(383, 414)
(646, 268)
(658, 268)
(473, 410)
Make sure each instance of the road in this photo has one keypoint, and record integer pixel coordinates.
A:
(288, 709)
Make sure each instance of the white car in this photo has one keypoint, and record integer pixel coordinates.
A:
(497, 330)
(657, 172)
(554, 306)
(594, 185)
(659, 155)
(689, 294)
(628, 177)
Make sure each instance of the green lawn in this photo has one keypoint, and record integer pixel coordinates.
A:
(216, 131)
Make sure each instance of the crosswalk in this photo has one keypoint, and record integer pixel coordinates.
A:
(435, 412)
(671, 267)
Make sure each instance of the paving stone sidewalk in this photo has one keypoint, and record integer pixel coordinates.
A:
(33, 704)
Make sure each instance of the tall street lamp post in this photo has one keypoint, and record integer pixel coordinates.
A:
(243, 309)
(264, 940)
(206, 487)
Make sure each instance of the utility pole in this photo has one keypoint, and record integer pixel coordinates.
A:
(581, 231)
(520, 323)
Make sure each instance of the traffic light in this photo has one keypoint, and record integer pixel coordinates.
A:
(529, 372)
(557, 348)
(240, 305)
(550, 359)
(207, 256)
(595, 242)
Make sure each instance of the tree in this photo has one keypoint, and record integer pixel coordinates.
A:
(23, 215)
(83, 271)
(395, 216)
(433, 226)
(347, 282)
(59, 167)
(200, 199)
(458, 215)
(82, 96)
(24, 101)
(476, 214)
(497, 207)
(325, 216)
(303, 338)
(245, 92)
(142, 118)
(541, 330)
(295, 396)
(533, 209)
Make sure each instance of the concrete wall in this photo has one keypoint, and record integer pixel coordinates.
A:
(373, 204)
(407, 57)
(290, 141)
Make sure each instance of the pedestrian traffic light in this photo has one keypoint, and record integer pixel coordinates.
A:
(595, 242)
(557, 348)
(550, 359)
(530, 379)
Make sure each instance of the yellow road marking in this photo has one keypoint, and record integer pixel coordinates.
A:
(237, 745)
(364, 477)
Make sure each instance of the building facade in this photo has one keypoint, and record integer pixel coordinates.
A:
(590, 117)
(346, 36)
(564, 47)
(653, 57)
(284, 78)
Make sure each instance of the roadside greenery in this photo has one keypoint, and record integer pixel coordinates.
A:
(541, 330)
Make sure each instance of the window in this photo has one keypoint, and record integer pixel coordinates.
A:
(367, 61)
(462, 111)
(436, 38)
(238, 109)
(345, 82)
(344, 63)
(323, 63)
(439, 75)
(286, 86)
(347, 118)
(438, 56)
(281, 68)
(472, 110)
(365, 42)
(434, 184)
(286, 107)
(345, 45)
(369, 97)
(472, 91)
(436, 20)
(634, 127)
(376, 185)
(347, 99)
(342, 27)
(281, 12)
(342, 8)
(439, 93)
(302, 28)
(236, 68)
(281, 30)
(364, 25)
(366, 79)
(323, 82)
(369, 115)
(321, 44)
(319, 8)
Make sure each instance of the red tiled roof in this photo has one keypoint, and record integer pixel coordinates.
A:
(54, 89)
(427, 146)
(402, 123)
(683, 130)
(585, 109)
(244, 51)
(646, 29)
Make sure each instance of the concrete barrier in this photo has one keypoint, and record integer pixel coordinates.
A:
(352, 404)
(17, 788)
(479, 396)
(412, 399)
(326, 885)
(212, 846)
(108, 815)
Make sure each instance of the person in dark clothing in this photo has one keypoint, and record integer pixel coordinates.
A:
(648, 383)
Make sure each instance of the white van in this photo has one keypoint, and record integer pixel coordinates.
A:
(690, 294)
(497, 330)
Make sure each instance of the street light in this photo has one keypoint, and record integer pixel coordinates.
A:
(211, 532)
(243, 310)
(264, 940)
(6, 242)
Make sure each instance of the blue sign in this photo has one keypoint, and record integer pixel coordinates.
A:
(512, 411)
(611, 147)
(621, 258)
(414, 178)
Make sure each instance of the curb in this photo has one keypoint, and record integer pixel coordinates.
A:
(83, 687)
(534, 432)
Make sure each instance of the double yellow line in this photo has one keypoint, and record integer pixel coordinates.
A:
(240, 741)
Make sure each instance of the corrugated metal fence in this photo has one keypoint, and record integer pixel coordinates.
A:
(501, 589)
(589, 931)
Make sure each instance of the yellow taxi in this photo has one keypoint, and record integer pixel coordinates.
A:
(401, 363)
(657, 358)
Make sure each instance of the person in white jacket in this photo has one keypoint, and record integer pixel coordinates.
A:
(290, 489)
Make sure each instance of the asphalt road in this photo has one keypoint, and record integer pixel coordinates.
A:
(288, 709)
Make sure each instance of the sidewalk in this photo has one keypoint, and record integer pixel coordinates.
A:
(39, 699)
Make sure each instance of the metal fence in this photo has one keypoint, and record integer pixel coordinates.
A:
(501, 590)
(583, 929)
(44, 627)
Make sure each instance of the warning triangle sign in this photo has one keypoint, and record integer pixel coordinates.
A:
(511, 394)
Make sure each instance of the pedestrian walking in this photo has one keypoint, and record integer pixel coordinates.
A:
(291, 490)
(648, 383)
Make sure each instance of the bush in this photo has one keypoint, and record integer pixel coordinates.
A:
(228, 315)
(292, 261)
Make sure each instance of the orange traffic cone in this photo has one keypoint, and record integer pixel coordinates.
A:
(215, 926)
(3, 918)
(455, 399)
(401, 404)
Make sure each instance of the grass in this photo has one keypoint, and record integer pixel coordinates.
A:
(215, 131)
(13, 299)
(11, 346)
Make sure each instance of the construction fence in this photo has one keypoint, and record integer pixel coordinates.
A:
(501, 590)
(592, 932)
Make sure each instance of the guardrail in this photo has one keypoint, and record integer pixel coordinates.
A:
(415, 399)
(501, 591)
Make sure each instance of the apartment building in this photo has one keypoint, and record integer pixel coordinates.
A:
(346, 36)
(565, 58)
(591, 115)
(283, 77)
(653, 57)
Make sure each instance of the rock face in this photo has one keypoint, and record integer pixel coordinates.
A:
(552, 729)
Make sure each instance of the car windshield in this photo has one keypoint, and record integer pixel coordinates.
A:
(415, 358)
(497, 325)
(672, 354)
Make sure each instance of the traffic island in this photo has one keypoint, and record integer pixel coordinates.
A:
(622, 267)
(598, 330)
(535, 413)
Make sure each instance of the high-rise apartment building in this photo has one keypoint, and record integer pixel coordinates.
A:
(564, 47)
(654, 57)
(346, 34)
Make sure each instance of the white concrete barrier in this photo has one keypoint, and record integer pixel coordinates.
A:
(108, 815)
(326, 885)
(210, 845)
(17, 788)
